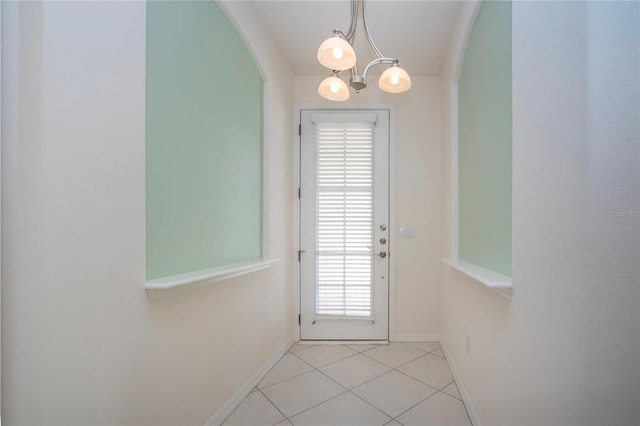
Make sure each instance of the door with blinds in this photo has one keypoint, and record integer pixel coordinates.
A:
(344, 225)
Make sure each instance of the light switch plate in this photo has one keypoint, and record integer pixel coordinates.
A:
(407, 232)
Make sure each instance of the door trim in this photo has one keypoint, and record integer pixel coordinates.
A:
(392, 207)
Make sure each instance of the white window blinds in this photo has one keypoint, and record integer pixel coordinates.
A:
(344, 182)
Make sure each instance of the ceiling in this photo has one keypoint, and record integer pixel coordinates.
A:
(416, 32)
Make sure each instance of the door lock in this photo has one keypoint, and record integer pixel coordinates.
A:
(383, 227)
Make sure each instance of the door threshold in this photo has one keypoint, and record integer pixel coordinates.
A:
(343, 342)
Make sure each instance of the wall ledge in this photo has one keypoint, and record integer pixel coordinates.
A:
(210, 275)
(495, 281)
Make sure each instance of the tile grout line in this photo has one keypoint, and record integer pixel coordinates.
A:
(321, 372)
(306, 362)
(332, 362)
(288, 378)
(418, 380)
(414, 406)
(370, 380)
(351, 390)
(437, 390)
(424, 353)
(274, 406)
(347, 390)
(402, 365)
(453, 382)
(364, 400)
(316, 405)
(299, 375)
(335, 396)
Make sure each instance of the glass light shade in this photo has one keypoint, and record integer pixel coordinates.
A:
(394, 80)
(336, 53)
(334, 89)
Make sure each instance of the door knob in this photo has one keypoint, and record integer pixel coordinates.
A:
(382, 254)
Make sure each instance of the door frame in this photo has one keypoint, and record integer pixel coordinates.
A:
(392, 206)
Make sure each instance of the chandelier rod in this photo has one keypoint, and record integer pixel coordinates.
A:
(351, 34)
(366, 31)
(377, 61)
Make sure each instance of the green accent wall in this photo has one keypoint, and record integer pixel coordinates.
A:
(204, 138)
(484, 141)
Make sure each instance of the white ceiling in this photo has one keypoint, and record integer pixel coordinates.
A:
(416, 32)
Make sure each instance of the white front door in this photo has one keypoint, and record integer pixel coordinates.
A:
(344, 225)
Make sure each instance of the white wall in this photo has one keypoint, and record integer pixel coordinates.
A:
(418, 195)
(565, 349)
(82, 343)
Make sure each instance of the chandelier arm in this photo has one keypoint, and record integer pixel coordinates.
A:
(377, 61)
(341, 34)
(369, 38)
(354, 70)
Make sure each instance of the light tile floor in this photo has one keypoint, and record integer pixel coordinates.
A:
(395, 384)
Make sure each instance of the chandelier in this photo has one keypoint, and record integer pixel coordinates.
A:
(336, 53)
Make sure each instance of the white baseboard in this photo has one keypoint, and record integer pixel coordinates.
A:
(473, 414)
(340, 342)
(416, 337)
(242, 393)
